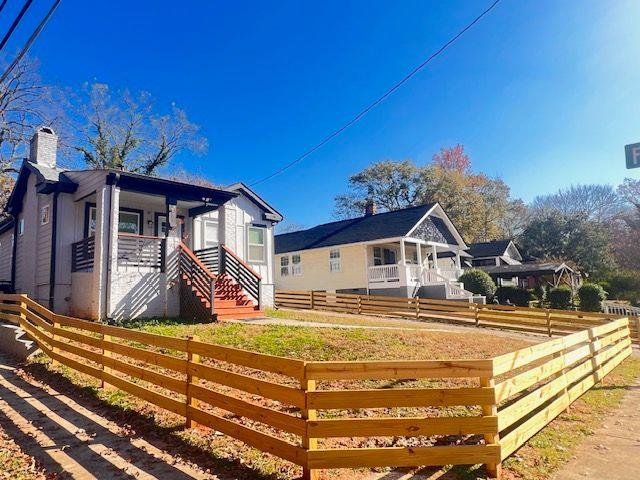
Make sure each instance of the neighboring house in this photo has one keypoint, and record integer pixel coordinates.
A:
(502, 260)
(414, 251)
(493, 253)
(95, 243)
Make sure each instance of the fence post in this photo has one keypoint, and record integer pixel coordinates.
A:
(312, 300)
(359, 304)
(549, 322)
(55, 339)
(476, 314)
(23, 309)
(417, 299)
(192, 358)
(307, 414)
(106, 353)
(493, 469)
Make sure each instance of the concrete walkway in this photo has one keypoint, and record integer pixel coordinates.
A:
(613, 452)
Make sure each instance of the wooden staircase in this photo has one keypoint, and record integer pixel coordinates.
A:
(230, 301)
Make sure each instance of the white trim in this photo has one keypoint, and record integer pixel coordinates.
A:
(443, 215)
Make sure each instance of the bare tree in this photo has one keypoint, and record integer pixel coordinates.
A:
(24, 105)
(599, 203)
(122, 131)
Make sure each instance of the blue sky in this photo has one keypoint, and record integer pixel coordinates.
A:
(542, 94)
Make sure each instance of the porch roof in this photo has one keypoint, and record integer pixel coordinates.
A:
(392, 224)
(528, 269)
(169, 188)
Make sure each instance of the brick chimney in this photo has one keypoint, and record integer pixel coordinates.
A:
(370, 208)
(43, 147)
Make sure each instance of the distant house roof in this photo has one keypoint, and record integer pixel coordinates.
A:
(393, 224)
(494, 248)
(533, 269)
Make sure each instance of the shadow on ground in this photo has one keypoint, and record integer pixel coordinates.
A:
(63, 432)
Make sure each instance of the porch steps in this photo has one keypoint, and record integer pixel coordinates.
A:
(230, 302)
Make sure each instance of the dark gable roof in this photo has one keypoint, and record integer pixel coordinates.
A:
(362, 229)
(494, 248)
(270, 213)
(5, 225)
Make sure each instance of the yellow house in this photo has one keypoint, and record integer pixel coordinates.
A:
(408, 252)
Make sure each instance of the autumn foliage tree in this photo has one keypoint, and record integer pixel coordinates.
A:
(477, 204)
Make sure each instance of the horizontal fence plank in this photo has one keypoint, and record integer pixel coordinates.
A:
(159, 379)
(274, 391)
(398, 369)
(403, 456)
(261, 441)
(258, 361)
(402, 426)
(404, 397)
(282, 421)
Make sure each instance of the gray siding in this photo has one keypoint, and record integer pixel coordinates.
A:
(89, 181)
(6, 251)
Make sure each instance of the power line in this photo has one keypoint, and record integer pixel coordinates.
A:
(380, 99)
(32, 39)
(4, 2)
(15, 23)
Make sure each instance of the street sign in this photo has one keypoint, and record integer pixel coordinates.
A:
(632, 152)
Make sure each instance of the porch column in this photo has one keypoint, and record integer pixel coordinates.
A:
(458, 264)
(403, 256)
(434, 251)
(419, 252)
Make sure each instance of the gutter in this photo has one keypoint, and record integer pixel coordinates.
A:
(54, 239)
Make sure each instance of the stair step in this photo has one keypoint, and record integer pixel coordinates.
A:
(240, 316)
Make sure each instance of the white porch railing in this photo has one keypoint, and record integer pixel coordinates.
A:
(384, 273)
(620, 309)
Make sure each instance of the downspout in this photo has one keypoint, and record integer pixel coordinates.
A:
(112, 179)
(52, 266)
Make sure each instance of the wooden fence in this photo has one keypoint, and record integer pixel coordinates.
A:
(308, 406)
(537, 320)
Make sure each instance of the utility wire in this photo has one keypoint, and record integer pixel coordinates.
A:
(4, 2)
(15, 23)
(32, 39)
(380, 99)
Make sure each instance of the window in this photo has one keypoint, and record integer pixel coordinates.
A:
(377, 256)
(210, 234)
(284, 266)
(44, 215)
(256, 244)
(334, 261)
(21, 227)
(296, 267)
(384, 256)
(129, 222)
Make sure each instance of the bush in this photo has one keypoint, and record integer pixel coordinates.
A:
(591, 296)
(560, 297)
(622, 285)
(478, 282)
(515, 295)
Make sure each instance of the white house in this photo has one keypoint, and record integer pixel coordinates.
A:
(107, 244)
(409, 252)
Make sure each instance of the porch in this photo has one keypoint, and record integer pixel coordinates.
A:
(409, 265)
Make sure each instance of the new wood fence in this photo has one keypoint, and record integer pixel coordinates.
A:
(305, 407)
(521, 319)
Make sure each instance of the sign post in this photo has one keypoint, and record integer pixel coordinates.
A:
(632, 152)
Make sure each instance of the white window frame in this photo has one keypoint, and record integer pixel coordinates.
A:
(45, 214)
(296, 267)
(335, 261)
(284, 266)
(263, 244)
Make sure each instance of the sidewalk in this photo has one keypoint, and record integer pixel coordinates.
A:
(613, 452)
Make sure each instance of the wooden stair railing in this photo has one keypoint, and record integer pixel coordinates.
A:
(198, 275)
(240, 272)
